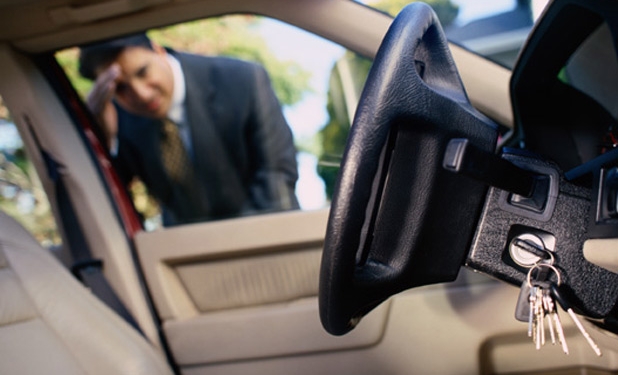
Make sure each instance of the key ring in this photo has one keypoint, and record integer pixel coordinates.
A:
(540, 265)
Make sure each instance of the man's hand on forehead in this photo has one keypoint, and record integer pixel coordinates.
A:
(99, 101)
(104, 88)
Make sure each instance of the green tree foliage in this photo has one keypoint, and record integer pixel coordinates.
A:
(354, 70)
(68, 61)
(233, 36)
(21, 193)
(24, 199)
(345, 85)
(236, 36)
(4, 111)
(445, 9)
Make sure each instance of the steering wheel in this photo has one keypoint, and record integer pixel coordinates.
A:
(399, 219)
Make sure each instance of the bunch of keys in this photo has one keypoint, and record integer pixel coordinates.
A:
(537, 303)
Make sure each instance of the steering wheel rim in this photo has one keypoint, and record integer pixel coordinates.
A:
(413, 97)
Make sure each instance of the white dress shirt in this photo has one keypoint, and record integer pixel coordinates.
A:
(177, 111)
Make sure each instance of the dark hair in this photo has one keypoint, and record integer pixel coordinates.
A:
(95, 55)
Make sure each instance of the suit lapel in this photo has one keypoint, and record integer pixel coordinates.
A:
(200, 96)
(211, 159)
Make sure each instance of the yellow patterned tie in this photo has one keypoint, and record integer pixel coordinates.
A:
(174, 155)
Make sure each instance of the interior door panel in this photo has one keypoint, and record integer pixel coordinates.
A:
(240, 296)
(243, 288)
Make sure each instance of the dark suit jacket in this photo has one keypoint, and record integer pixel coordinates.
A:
(243, 152)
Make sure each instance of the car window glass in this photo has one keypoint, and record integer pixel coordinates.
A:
(317, 86)
(21, 193)
(596, 77)
(494, 29)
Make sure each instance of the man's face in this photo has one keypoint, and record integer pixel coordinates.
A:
(145, 84)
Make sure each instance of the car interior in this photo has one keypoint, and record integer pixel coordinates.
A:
(471, 228)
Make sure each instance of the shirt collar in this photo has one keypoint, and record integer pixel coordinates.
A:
(176, 112)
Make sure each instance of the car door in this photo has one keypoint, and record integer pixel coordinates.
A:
(245, 289)
(240, 295)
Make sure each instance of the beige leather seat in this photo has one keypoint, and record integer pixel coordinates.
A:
(51, 324)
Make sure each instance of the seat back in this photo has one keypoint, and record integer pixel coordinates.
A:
(51, 324)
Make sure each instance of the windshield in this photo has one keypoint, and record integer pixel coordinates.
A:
(494, 29)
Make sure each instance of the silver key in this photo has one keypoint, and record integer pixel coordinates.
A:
(533, 304)
(559, 330)
(555, 291)
(540, 319)
(542, 306)
(548, 307)
(536, 325)
(523, 311)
